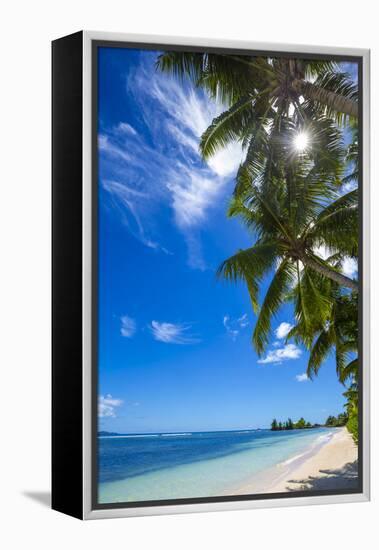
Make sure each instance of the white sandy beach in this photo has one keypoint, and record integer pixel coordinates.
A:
(331, 466)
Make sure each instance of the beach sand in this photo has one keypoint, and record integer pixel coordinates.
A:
(331, 466)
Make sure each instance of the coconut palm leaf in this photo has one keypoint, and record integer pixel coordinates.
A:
(344, 349)
(336, 226)
(225, 78)
(250, 265)
(282, 81)
(311, 296)
(315, 68)
(275, 295)
(337, 332)
(320, 351)
(332, 94)
(352, 157)
(288, 199)
(229, 126)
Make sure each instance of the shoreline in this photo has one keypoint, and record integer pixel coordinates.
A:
(328, 465)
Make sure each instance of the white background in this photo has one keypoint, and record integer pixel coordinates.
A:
(27, 29)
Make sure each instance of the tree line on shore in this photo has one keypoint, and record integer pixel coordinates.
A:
(337, 421)
(331, 422)
(290, 425)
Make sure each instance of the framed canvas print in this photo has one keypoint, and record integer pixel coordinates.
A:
(210, 275)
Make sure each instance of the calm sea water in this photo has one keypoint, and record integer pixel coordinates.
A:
(185, 465)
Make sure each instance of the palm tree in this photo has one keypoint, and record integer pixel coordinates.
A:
(262, 95)
(293, 210)
(280, 81)
(259, 92)
(274, 425)
(352, 409)
(300, 424)
(352, 396)
(352, 157)
(289, 201)
(333, 329)
(337, 332)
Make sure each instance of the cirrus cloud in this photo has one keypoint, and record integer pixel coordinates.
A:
(161, 161)
(128, 326)
(233, 326)
(171, 333)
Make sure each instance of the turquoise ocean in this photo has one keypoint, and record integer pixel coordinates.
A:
(141, 467)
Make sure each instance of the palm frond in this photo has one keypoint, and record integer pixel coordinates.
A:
(250, 265)
(313, 304)
(332, 94)
(320, 351)
(275, 295)
(226, 78)
(315, 68)
(336, 226)
(227, 127)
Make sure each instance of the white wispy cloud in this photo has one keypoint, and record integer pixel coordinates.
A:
(234, 326)
(282, 330)
(286, 353)
(194, 186)
(184, 138)
(302, 377)
(129, 200)
(107, 405)
(233, 332)
(193, 191)
(168, 167)
(349, 267)
(128, 326)
(191, 112)
(171, 333)
(184, 106)
(127, 128)
(195, 258)
(243, 321)
(107, 146)
(123, 191)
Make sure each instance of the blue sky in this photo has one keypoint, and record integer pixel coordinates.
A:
(175, 349)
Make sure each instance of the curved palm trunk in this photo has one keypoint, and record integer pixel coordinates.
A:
(329, 273)
(336, 102)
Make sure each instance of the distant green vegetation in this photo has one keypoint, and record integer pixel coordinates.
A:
(348, 419)
(343, 419)
(290, 425)
(337, 421)
(352, 425)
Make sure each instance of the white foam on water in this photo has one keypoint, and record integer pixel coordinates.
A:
(126, 436)
(319, 442)
(292, 459)
(176, 435)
